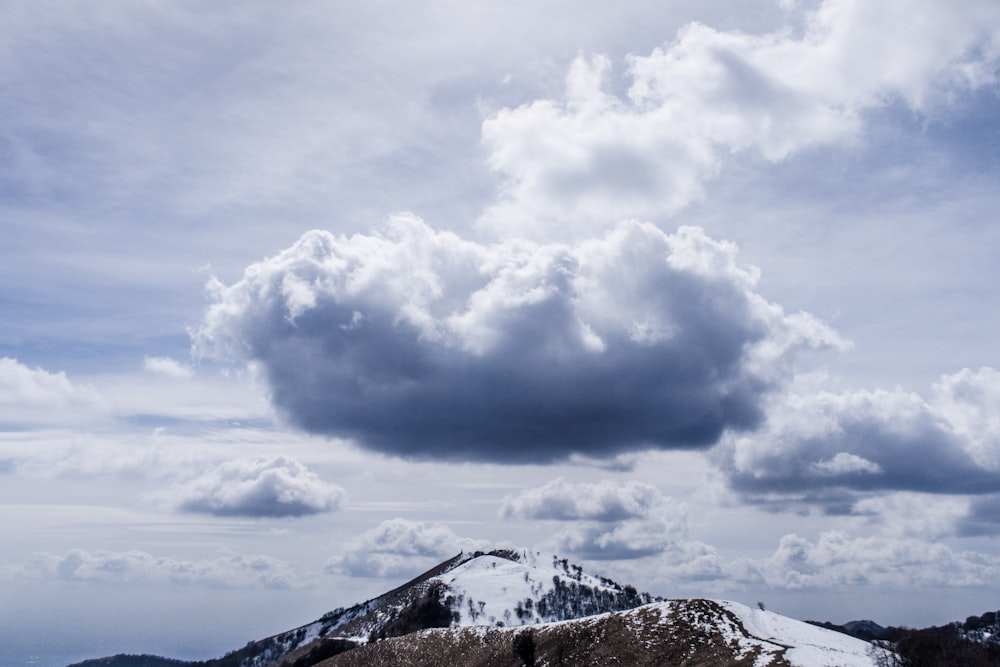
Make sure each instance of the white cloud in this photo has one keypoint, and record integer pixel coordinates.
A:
(633, 538)
(400, 548)
(844, 463)
(574, 166)
(607, 521)
(37, 392)
(969, 402)
(562, 501)
(839, 560)
(31, 397)
(166, 366)
(278, 487)
(421, 344)
(834, 561)
(914, 515)
(874, 441)
(21, 383)
(231, 570)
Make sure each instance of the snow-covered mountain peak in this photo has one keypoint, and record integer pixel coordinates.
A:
(523, 587)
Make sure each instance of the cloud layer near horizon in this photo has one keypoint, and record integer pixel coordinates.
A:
(421, 344)
(228, 570)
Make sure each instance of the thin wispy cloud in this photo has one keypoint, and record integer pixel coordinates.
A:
(229, 570)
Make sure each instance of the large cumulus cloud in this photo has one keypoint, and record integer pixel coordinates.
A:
(421, 344)
(817, 445)
(569, 166)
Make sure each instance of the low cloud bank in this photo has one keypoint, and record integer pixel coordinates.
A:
(229, 570)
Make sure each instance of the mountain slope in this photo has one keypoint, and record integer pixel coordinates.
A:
(690, 632)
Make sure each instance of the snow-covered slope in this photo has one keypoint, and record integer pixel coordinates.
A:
(708, 633)
(806, 644)
(525, 587)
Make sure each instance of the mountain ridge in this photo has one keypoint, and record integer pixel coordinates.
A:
(511, 606)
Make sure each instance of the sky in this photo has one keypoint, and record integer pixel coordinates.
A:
(299, 299)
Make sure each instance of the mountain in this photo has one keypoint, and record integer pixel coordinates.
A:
(677, 632)
(518, 607)
(499, 588)
(867, 630)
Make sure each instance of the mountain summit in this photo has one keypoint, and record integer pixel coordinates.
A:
(519, 607)
(503, 588)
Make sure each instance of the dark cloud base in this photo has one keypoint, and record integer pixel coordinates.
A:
(421, 345)
(516, 414)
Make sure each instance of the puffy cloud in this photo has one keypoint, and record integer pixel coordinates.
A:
(969, 402)
(609, 521)
(38, 395)
(843, 464)
(166, 366)
(562, 501)
(420, 344)
(815, 442)
(21, 383)
(837, 559)
(575, 164)
(914, 515)
(230, 570)
(679, 563)
(634, 538)
(400, 548)
(278, 487)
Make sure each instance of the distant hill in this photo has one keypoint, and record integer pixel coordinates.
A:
(124, 660)
(867, 630)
